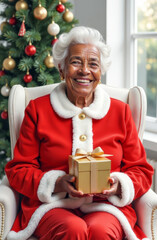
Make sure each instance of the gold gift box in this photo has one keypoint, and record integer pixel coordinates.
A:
(91, 170)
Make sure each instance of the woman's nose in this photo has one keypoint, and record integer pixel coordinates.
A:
(84, 69)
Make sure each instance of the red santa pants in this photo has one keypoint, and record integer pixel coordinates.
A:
(62, 224)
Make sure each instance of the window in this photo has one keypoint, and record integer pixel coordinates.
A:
(142, 52)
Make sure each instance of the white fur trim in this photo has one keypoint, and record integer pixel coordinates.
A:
(61, 104)
(65, 109)
(46, 187)
(101, 104)
(82, 127)
(85, 205)
(39, 213)
(96, 207)
(127, 190)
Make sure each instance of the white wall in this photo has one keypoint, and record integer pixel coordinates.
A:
(115, 37)
(91, 13)
(102, 15)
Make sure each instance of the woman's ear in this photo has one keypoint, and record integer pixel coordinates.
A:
(61, 72)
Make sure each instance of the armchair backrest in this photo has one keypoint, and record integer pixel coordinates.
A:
(20, 96)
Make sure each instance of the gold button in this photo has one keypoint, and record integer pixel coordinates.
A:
(83, 138)
(82, 116)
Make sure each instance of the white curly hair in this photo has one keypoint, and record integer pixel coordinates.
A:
(81, 35)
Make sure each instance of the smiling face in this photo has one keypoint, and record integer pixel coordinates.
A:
(82, 73)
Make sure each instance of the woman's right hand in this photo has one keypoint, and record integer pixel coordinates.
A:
(64, 184)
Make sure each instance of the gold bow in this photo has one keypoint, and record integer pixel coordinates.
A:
(91, 156)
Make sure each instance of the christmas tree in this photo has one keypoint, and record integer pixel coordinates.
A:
(29, 30)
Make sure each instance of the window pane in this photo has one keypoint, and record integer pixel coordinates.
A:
(146, 15)
(147, 72)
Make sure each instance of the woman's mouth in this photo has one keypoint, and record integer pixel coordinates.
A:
(83, 81)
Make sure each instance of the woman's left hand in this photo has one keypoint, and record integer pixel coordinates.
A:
(115, 189)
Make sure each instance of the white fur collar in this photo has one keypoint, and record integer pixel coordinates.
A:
(64, 108)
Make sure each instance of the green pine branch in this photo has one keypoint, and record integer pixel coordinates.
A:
(14, 45)
(32, 36)
(4, 104)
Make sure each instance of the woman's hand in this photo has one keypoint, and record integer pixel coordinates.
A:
(114, 190)
(64, 184)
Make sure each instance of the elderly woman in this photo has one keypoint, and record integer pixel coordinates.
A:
(77, 114)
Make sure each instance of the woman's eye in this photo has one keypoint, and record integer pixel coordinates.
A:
(94, 64)
(76, 62)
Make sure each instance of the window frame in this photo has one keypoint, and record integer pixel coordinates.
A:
(131, 69)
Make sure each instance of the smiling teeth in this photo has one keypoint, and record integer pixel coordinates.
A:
(83, 80)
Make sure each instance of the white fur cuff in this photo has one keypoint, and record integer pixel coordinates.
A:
(46, 187)
(127, 190)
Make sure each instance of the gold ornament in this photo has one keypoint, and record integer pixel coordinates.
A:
(63, 1)
(9, 63)
(49, 61)
(68, 16)
(61, 78)
(21, 5)
(2, 25)
(40, 12)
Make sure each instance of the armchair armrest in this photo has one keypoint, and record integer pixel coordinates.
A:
(146, 210)
(9, 200)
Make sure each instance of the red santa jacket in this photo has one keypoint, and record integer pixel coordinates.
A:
(50, 132)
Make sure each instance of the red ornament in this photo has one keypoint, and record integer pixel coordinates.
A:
(2, 73)
(12, 21)
(4, 115)
(27, 78)
(60, 8)
(30, 50)
(22, 30)
(54, 41)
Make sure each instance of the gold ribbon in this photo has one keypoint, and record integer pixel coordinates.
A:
(96, 154)
(91, 156)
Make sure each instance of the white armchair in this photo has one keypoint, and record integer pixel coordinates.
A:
(146, 206)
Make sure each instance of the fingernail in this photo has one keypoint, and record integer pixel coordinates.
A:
(81, 192)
